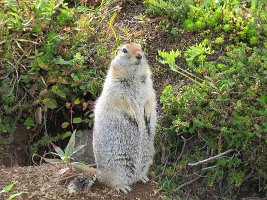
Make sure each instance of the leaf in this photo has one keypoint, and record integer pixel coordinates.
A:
(62, 80)
(77, 120)
(79, 133)
(67, 134)
(257, 127)
(53, 160)
(25, 13)
(29, 122)
(65, 124)
(70, 146)
(58, 91)
(77, 101)
(212, 85)
(43, 66)
(112, 18)
(84, 167)
(110, 24)
(13, 196)
(78, 148)
(58, 150)
(61, 61)
(68, 104)
(84, 105)
(49, 103)
(51, 79)
(43, 24)
(81, 166)
(8, 187)
(67, 29)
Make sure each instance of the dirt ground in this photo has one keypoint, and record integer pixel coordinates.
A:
(41, 182)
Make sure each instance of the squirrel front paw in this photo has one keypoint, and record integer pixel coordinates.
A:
(148, 111)
(147, 119)
(132, 118)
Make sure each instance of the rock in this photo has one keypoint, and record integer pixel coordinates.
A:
(86, 154)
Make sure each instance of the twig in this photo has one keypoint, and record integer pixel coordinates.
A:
(18, 61)
(71, 117)
(26, 90)
(18, 104)
(188, 195)
(199, 135)
(205, 168)
(45, 120)
(2, 42)
(159, 189)
(185, 75)
(18, 44)
(189, 73)
(42, 78)
(13, 86)
(182, 152)
(187, 183)
(211, 158)
(16, 70)
(68, 177)
(33, 161)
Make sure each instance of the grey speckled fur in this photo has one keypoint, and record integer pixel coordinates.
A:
(125, 120)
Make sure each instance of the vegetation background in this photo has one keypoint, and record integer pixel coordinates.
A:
(209, 63)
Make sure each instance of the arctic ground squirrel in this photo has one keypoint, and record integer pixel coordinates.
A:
(124, 124)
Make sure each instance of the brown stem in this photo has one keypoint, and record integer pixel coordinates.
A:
(71, 117)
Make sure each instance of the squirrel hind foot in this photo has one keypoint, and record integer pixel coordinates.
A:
(82, 182)
(145, 180)
(124, 189)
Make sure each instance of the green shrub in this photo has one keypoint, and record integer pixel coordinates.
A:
(231, 115)
(52, 67)
(172, 12)
(173, 9)
(245, 20)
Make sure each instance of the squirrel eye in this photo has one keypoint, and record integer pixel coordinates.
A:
(124, 50)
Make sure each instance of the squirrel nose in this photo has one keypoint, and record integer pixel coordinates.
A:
(139, 56)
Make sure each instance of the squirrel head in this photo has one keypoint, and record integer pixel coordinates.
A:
(129, 61)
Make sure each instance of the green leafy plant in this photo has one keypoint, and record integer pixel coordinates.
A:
(8, 189)
(169, 59)
(66, 156)
(197, 53)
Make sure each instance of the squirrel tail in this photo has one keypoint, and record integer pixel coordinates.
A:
(81, 182)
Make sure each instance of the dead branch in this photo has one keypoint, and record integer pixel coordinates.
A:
(186, 183)
(182, 152)
(16, 70)
(211, 158)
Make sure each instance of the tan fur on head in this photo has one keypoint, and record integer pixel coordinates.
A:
(129, 61)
